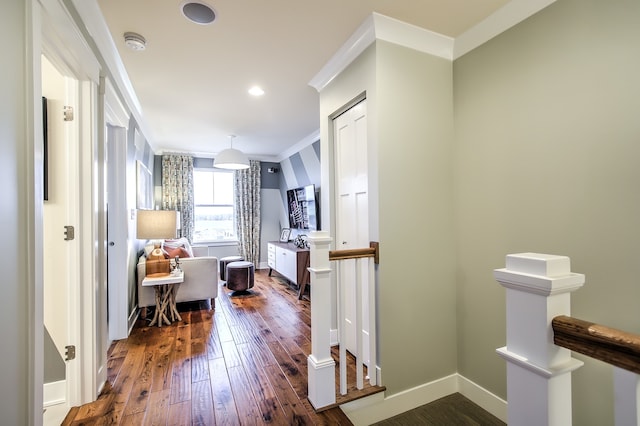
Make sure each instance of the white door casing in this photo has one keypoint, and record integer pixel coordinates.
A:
(60, 277)
(352, 215)
(55, 34)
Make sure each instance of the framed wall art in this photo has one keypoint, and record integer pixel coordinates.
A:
(284, 235)
(144, 193)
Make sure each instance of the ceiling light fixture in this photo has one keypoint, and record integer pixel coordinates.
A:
(198, 12)
(256, 91)
(135, 41)
(231, 159)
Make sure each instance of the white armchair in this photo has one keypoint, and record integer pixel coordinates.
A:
(200, 281)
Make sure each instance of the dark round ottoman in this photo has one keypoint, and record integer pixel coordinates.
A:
(224, 261)
(240, 276)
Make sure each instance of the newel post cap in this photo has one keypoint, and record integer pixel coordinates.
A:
(319, 237)
(538, 273)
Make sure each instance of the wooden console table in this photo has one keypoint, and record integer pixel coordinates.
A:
(291, 262)
(166, 288)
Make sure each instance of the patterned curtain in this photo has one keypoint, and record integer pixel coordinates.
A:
(247, 196)
(177, 190)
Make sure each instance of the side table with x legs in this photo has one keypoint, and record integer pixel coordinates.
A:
(166, 287)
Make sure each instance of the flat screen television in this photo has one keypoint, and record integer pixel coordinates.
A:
(303, 208)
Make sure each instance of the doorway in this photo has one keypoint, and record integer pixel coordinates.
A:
(62, 381)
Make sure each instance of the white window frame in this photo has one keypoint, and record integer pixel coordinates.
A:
(232, 205)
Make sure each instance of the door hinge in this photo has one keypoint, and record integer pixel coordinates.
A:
(68, 113)
(69, 233)
(70, 352)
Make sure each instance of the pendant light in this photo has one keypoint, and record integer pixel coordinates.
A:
(231, 159)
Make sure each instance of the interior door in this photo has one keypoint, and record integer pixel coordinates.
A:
(352, 213)
(117, 246)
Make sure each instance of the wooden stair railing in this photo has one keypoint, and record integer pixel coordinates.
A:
(373, 251)
(538, 295)
(321, 365)
(358, 254)
(610, 345)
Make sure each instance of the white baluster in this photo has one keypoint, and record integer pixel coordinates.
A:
(538, 372)
(373, 373)
(342, 328)
(358, 325)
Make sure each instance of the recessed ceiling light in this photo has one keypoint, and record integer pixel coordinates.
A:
(256, 91)
(198, 12)
(134, 41)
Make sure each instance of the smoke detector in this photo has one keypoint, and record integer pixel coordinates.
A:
(134, 41)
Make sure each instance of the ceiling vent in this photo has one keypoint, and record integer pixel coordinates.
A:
(197, 12)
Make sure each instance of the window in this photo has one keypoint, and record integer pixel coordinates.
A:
(214, 218)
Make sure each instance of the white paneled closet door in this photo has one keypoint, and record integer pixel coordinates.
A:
(352, 215)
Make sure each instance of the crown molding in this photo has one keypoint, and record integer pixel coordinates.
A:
(350, 50)
(498, 22)
(310, 139)
(97, 30)
(381, 27)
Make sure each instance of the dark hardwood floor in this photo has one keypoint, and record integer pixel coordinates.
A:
(244, 362)
(453, 409)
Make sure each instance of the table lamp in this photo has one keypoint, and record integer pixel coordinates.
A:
(156, 225)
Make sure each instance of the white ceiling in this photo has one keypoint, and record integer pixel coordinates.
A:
(192, 80)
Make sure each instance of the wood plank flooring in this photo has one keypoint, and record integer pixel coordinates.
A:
(244, 362)
(453, 409)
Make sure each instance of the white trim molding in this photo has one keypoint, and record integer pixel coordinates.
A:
(310, 139)
(54, 393)
(498, 22)
(381, 27)
(377, 407)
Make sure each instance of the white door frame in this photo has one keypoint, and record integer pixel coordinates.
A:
(57, 36)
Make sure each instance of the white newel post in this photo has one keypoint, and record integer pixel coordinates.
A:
(627, 397)
(321, 366)
(538, 372)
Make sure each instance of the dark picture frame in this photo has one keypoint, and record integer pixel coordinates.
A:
(45, 151)
(284, 235)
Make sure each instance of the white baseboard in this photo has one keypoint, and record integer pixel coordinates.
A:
(333, 337)
(488, 401)
(366, 411)
(54, 393)
(375, 408)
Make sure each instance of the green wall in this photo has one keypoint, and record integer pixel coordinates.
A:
(547, 150)
(417, 269)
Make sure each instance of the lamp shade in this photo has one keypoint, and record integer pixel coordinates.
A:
(156, 224)
(231, 159)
